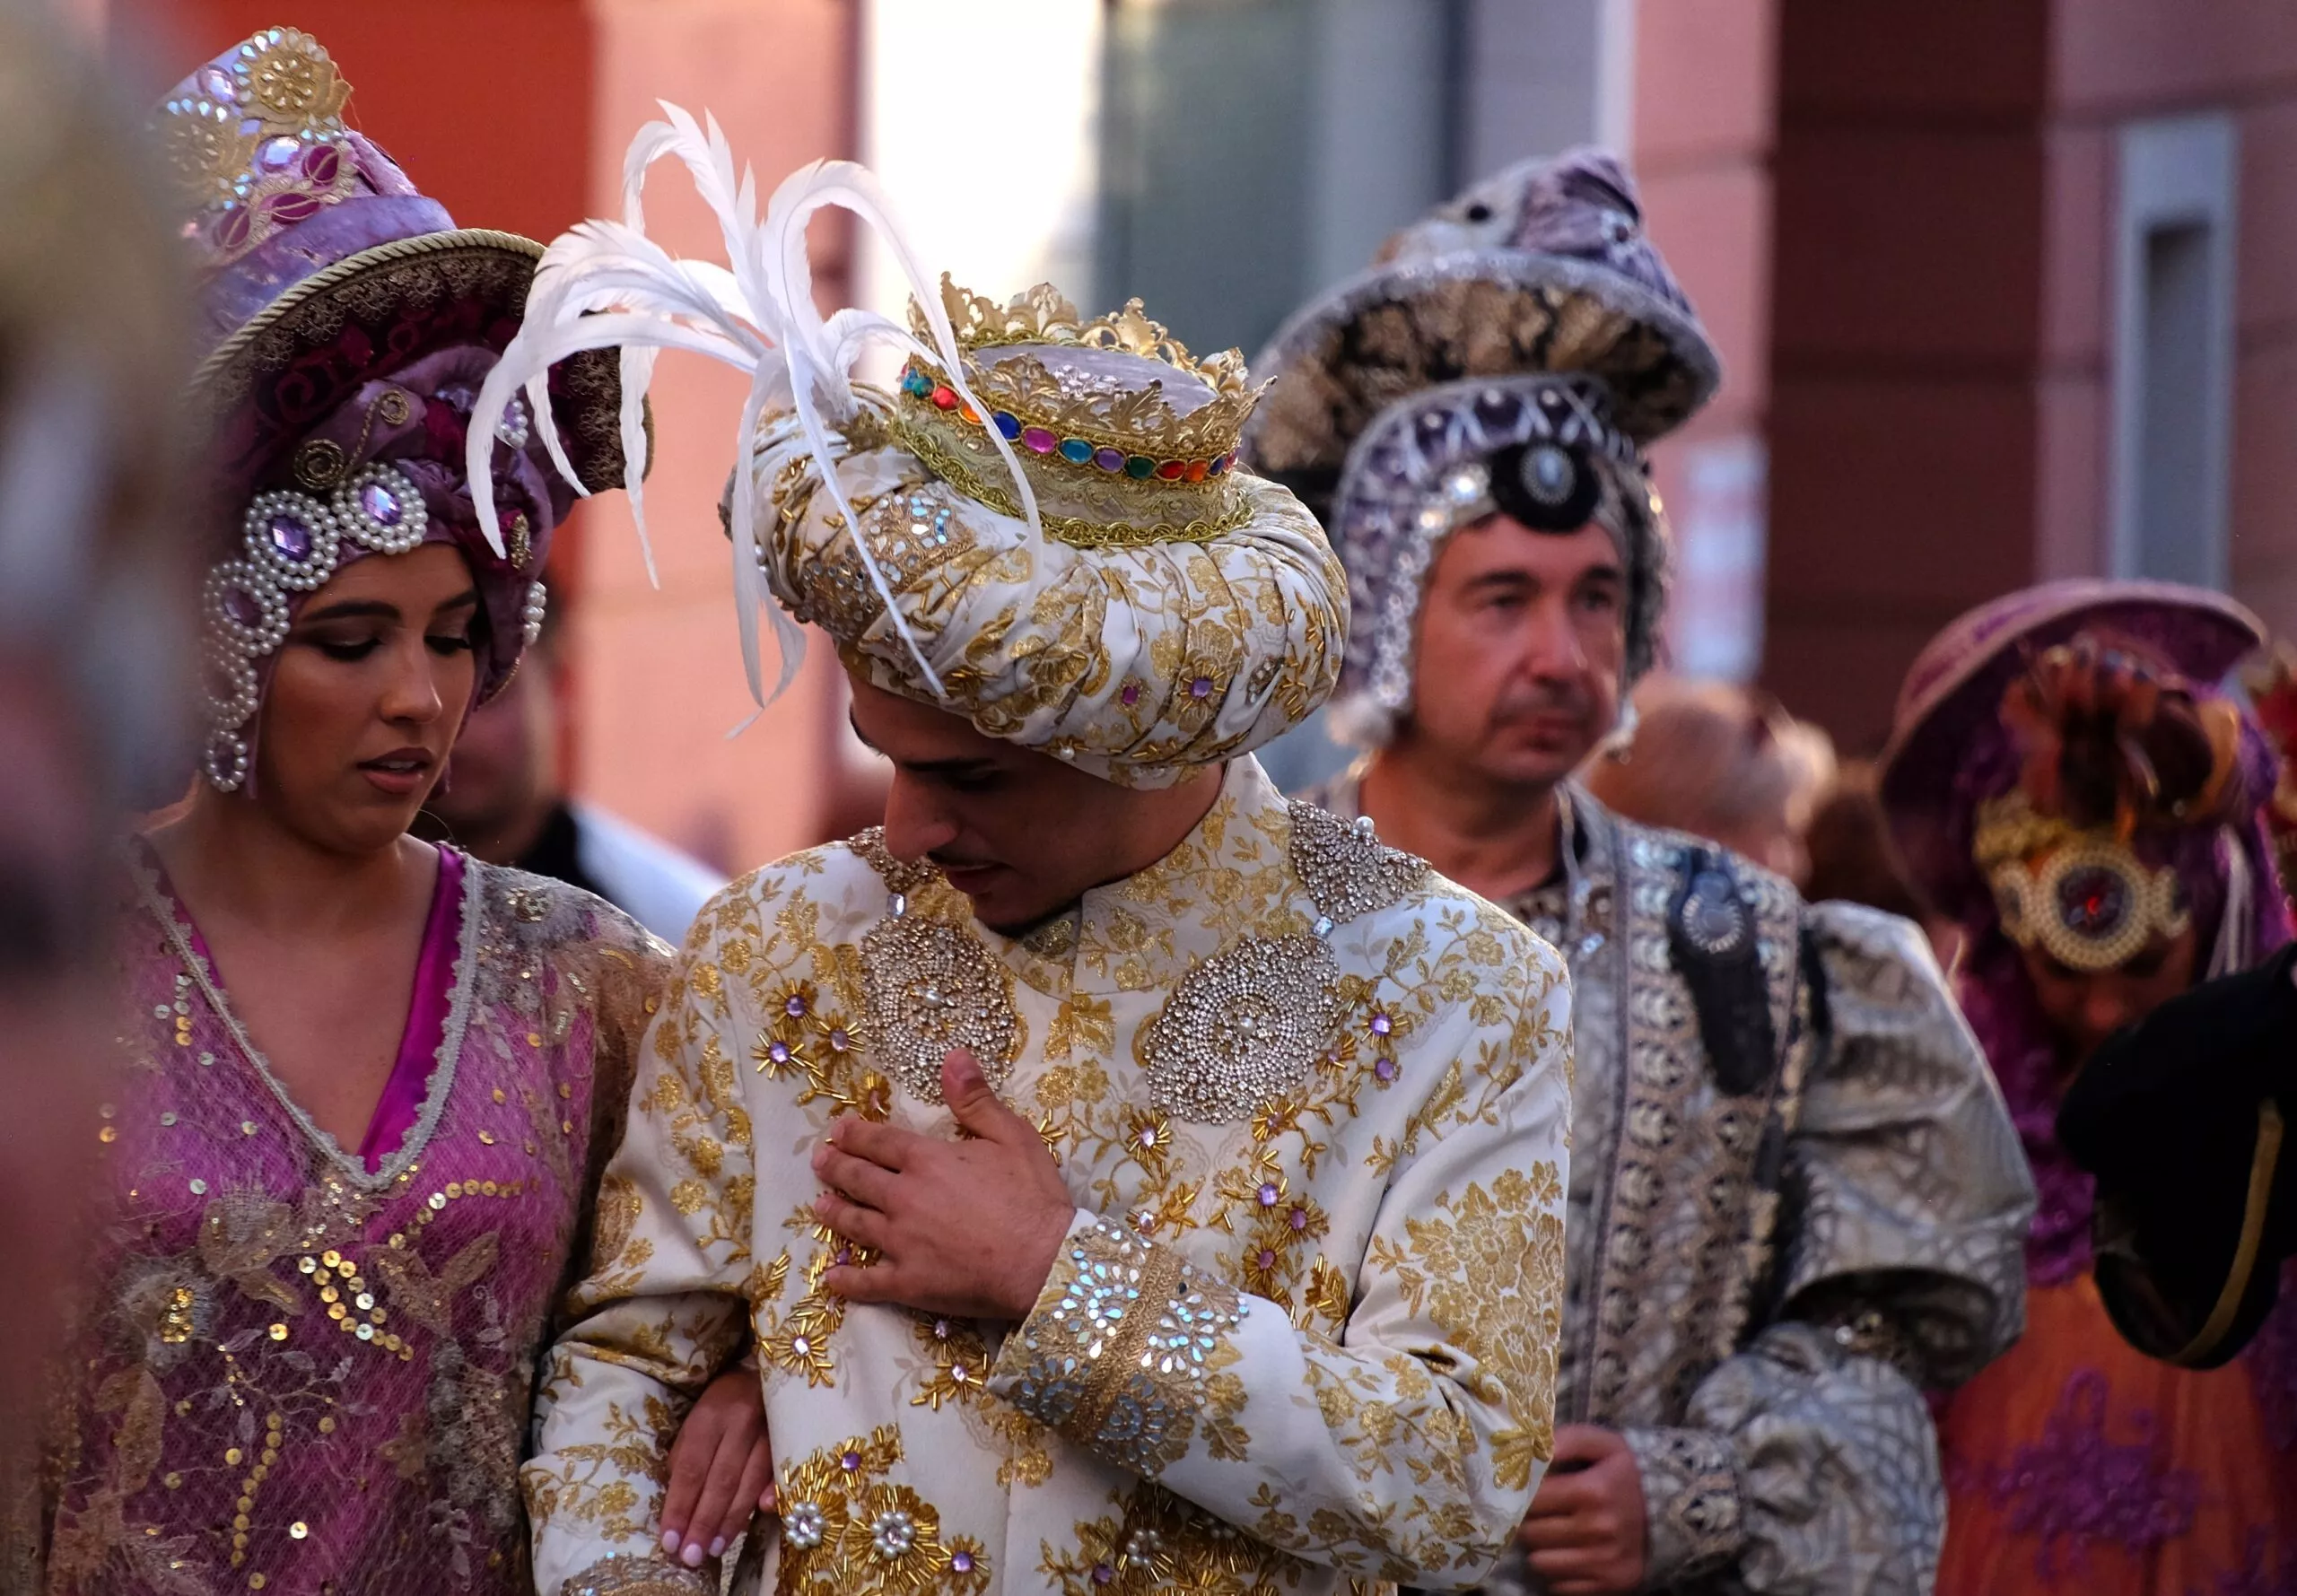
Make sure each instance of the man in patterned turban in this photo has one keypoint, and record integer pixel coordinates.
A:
(1795, 1202)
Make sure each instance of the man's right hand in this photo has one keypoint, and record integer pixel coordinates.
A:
(1585, 1531)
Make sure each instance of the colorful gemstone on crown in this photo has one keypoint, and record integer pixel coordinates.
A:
(1036, 399)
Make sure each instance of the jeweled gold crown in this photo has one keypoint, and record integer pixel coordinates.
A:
(1127, 435)
(279, 86)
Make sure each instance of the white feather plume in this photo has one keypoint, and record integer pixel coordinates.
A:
(607, 284)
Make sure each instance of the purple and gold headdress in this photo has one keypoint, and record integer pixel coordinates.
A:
(2063, 767)
(346, 326)
(1514, 351)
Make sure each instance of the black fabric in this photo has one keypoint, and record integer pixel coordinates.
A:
(2165, 1116)
(558, 852)
(1711, 932)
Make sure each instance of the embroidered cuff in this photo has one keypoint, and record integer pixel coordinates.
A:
(1691, 1502)
(639, 1576)
(1115, 1354)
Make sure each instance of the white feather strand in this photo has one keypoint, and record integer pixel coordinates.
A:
(607, 284)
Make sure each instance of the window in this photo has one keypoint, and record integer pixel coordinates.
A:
(2173, 354)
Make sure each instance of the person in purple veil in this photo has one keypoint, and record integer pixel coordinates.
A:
(347, 1168)
(2066, 783)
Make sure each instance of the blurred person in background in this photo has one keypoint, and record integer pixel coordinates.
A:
(1718, 761)
(504, 800)
(2184, 1119)
(1795, 1201)
(92, 586)
(2065, 780)
(1849, 844)
(347, 1153)
(1852, 860)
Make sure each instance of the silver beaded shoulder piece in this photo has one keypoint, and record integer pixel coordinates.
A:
(1247, 1025)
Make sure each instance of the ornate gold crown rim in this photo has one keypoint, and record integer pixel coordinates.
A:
(1143, 421)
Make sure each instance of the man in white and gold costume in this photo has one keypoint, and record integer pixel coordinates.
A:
(1131, 1181)
(1796, 1202)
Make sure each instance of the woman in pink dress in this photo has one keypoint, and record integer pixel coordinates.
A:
(370, 1083)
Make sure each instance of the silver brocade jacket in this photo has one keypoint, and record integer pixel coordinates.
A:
(1796, 1203)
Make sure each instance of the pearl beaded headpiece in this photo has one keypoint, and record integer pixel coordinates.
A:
(347, 326)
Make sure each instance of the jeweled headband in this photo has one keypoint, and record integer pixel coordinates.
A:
(2112, 747)
(392, 485)
(1540, 449)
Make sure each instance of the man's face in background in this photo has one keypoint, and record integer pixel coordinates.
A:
(1521, 638)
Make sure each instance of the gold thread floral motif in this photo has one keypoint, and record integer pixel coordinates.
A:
(1161, 1543)
(846, 1528)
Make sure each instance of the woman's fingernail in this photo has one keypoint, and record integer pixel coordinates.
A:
(670, 1541)
(768, 1502)
(718, 1547)
(691, 1556)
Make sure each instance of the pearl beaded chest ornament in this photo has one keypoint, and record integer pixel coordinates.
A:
(1243, 1028)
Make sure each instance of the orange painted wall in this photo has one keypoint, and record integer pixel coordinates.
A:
(488, 104)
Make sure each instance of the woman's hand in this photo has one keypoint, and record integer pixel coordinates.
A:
(722, 1470)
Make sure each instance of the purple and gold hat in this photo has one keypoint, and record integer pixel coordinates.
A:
(1961, 755)
(1514, 350)
(345, 326)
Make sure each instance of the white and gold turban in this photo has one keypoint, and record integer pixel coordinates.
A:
(1040, 527)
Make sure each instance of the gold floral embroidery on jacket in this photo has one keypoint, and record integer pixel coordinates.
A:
(1498, 1299)
(849, 1531)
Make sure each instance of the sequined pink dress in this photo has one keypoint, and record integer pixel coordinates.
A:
(305, 1370)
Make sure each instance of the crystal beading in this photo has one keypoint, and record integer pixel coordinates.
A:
(1243, 1028)
(1117, 1356)
(289, 543)
(931, 985)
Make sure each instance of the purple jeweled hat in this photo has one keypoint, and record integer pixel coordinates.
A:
(1948, 730)
(345, 326)
(1514, 351)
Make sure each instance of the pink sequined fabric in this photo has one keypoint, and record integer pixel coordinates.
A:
(296, 1374)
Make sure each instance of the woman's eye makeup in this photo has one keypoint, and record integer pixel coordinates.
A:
(345, 646)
